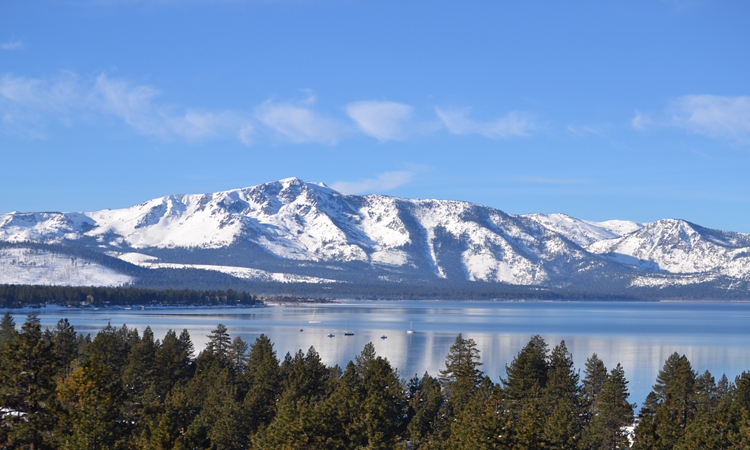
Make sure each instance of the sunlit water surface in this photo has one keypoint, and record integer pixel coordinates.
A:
(639, 335)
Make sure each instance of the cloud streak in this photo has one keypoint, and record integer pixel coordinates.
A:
(29, 105)
(57, 94)
(30, 101)
(385, 181)
(714, 116)
(299, 123)
(513, 124)
(384, 121)
(135, 105)
(12, 45)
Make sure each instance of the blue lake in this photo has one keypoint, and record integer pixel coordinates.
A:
(639, 335)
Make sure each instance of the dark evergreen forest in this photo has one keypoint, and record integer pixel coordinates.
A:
(125, 390)
(17, 296)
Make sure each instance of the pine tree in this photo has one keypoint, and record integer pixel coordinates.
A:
(593, 382)
(645, 431)
(172, 364)
(91, 397)
(462, 362)
(562, 378)
(111, 346)
(176, 417)
(563, 427)
(460, 378)
(675, 388)
(264, 383)
(527, 373)
(605, 431)
(27, 388)
(65, 345)
(305, 376)
(299, 424)
(425, 399)
(741, 437)
(384, 404)
(481, 424)
(527, 423)
(715, 428)
(742, 390)
(722, 387)
(341, 414)
(7, 329)
(186, 344)
(706, 395)
(220, 423)
(219, 342)
(238, 355)
(561, 396)
(139, 378)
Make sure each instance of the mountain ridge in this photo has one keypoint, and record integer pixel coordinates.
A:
(290, 231)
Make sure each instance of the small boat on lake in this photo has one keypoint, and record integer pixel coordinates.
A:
(411, 327)
(383, 337)
(330, 335)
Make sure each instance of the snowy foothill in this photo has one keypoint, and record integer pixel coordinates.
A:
(31, 266)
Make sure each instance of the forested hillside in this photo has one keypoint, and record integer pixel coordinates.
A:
(18, 296)
(123, 389)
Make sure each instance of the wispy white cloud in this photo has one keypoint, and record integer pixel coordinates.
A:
(587, 130)
(135, 105)
(299, 123)
(713, 116)
(385, 181)
(30, 105)
(29, 101)
(12, 45)
(718, 117)
(513, 124)
(385, 121)
(60, 93)
(640, 121)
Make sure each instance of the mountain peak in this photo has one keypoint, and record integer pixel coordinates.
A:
(291, 181)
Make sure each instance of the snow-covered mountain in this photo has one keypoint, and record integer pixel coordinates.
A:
(680, 247)
(290, 231)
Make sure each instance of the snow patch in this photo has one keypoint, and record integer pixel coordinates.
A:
(244, 273)
(31, 266)
(133, 258)
(662, 282)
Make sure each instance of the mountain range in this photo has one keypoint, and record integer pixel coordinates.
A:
(290, 235)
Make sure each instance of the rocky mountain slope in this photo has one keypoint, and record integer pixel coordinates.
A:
(289, 231)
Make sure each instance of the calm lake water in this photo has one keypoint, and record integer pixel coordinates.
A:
(639, 335)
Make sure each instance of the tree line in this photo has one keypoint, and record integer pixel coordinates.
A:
(17, 296)
(125, 390)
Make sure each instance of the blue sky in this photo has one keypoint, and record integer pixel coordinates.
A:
(635, 110)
